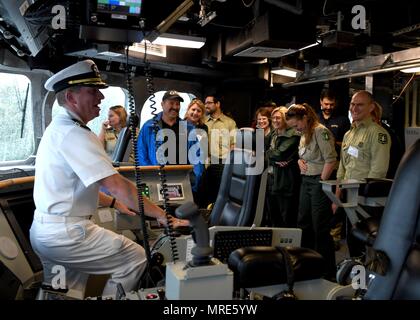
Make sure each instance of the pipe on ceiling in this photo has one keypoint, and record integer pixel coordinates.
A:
(286, 6)
(352, 75)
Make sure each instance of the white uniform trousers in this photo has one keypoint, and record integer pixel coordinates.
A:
(84, 248)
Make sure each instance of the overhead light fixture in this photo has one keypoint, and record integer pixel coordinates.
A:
(317, 43)
(285, 71)
(178, 40)
(411, 70)
(149, 48)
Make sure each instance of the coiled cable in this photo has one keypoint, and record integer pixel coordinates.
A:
(160, 158)
(140, 188)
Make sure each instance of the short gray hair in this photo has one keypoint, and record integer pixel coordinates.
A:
(61, 95)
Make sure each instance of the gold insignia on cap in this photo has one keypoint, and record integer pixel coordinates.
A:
(86, 81)
(94, 68)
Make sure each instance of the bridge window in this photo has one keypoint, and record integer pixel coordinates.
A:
(113, 96)
(146, 111)
(16, 130)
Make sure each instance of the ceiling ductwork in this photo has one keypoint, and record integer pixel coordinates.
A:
(296, 9)
(269, 37)
(31, 37)
(370, 65)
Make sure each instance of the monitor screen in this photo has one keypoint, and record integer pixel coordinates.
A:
(175, 191)
(128, 7)
(18, 208)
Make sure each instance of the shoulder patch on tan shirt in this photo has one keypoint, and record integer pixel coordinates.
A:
(382, 138)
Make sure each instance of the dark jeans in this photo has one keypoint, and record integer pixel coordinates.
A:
(281, 210)
(314, 219)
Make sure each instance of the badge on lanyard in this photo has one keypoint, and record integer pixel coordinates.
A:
(354, 152)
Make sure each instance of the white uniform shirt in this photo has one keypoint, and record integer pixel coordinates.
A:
(70, 161)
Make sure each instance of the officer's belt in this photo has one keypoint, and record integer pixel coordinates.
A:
(49, 218)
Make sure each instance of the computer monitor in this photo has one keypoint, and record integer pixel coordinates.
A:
(115, 13)
(119, 8)
(174, 191)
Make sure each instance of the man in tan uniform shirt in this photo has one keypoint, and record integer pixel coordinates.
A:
(365, 151)
(366, 146)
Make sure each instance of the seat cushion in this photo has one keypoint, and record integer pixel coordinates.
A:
(262, 266)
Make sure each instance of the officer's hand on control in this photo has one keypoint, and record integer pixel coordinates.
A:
(175, 222)
(302, 165)
(122, 208)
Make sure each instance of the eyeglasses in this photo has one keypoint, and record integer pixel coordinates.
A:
(209, 102)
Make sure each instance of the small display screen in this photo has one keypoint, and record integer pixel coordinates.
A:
(128, 7)
(175, 191)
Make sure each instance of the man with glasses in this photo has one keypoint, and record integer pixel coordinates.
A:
(221, 140)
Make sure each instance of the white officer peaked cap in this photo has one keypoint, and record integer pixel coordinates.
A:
(84, 73)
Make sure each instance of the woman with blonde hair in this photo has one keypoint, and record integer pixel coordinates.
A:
(317, 161)
(117, 119)
(283, 172)
(196, 113)
(377, 113)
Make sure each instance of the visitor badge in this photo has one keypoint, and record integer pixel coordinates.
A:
(354, 152)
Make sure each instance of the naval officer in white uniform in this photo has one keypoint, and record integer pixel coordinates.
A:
(71, 166)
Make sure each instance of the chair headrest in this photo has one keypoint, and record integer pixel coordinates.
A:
(246, 138)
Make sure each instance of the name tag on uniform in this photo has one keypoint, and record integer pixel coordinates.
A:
(354, 152)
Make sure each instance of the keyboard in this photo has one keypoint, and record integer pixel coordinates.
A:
(225, 242)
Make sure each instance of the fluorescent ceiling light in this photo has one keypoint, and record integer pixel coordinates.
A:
(149, 48)
(317, 43)
(284, 71)
(110, 54)
(411, 70)
(178, 40)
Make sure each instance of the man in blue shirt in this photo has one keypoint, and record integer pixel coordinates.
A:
(156, 144)
(338, 125)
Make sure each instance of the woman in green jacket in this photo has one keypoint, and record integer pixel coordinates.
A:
(283, 172)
